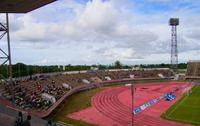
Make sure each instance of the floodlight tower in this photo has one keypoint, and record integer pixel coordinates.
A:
(14, 6)
(4, 30)
(174, 22)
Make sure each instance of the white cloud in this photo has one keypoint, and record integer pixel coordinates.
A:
(120, 54)
(112, 28)
(98, 15)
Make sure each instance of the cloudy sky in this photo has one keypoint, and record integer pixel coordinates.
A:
(103, 31)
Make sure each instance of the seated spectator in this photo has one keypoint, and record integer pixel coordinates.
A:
(27, 121)
(53, 82)
(19, 119)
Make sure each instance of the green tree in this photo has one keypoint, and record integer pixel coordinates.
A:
(118, 64)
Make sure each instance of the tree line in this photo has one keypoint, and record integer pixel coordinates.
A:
(21, 69)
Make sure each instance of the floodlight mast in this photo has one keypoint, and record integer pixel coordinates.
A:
(9, 52)
(174, 22)
(4, 30)
(13, 6)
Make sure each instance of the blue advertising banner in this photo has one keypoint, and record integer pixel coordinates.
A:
(137, 110)
(146, 105)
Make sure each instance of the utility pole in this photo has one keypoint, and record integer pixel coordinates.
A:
(132, 104)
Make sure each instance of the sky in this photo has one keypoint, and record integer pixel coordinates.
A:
(103, 31)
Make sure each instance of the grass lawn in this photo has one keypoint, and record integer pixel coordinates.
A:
(187, 109)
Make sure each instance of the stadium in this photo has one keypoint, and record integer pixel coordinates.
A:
(96, 95)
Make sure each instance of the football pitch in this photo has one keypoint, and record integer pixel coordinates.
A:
(187, 109)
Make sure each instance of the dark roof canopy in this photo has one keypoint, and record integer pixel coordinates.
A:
(21, 6)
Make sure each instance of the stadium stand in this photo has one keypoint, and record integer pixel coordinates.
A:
(40, 94)
(193, 70)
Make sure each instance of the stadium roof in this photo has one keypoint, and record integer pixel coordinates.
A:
(22, 6)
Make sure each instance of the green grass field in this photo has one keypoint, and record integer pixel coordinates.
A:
(187, 109)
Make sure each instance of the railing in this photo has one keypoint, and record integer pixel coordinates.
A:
(34, 120)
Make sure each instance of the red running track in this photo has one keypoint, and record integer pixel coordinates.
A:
(112, 107)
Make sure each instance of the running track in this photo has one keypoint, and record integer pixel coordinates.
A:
(112, 107)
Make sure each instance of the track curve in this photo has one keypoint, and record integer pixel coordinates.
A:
(108, 103)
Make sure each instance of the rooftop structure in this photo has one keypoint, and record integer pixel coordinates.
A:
(21, 6)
